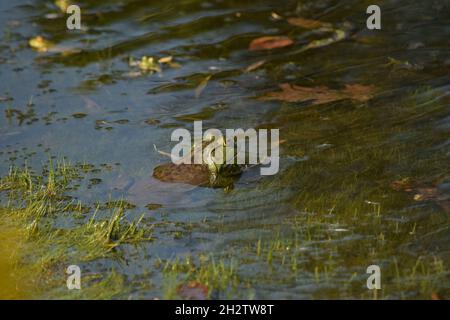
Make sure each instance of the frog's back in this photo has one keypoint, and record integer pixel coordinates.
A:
(194, 174)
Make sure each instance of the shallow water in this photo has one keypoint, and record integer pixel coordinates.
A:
(329, 213)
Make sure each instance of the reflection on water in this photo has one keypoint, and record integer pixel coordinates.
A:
(361, 182)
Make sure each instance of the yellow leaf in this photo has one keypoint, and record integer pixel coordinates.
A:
(167, 59)
(40, 44)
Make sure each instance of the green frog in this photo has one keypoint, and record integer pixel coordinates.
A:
(207, 174)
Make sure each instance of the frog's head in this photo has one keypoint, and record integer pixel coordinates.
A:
(148, 64)
(213, 167)
(40, 44)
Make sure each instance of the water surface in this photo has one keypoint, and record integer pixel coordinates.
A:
(333, 209)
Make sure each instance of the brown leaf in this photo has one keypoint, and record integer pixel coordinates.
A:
(319, 95)
(270, 42)
(293, 93)
(193, 290)
(193, 174)
(167, 59)
(405, 184)
(306, 23)
(359, 92)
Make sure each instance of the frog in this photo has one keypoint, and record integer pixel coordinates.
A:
(146, 64)
(206, 174)
(196, 174)
(40, 44)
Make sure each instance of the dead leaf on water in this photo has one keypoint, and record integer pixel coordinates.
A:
(165, 59)
(405, 184)
(293, 93)
(307, 23)
(40, 44)
(321, 94)
(270, 42)
(359, 92)
(202, 85)
(169, 61)
(193, 290)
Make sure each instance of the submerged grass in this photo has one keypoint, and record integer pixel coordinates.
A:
(45, 247)
(219, 275)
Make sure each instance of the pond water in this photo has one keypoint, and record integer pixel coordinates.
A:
(339, 202)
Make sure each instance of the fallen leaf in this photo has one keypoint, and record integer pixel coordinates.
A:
(165, 59)
(193, 174)
(193, 290)
(293, 93)
(306, 23)
(359, 92)
(255, 66)
(270, 42)
(40, 44)
(405, 184)
(321, 94)
(202, 85)
(275, 16)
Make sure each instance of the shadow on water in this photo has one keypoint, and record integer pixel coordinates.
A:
(360, 183)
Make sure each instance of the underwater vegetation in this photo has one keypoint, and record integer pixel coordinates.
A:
(364, 175)
(40, 246)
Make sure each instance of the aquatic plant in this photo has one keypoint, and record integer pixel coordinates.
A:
(35, 201)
